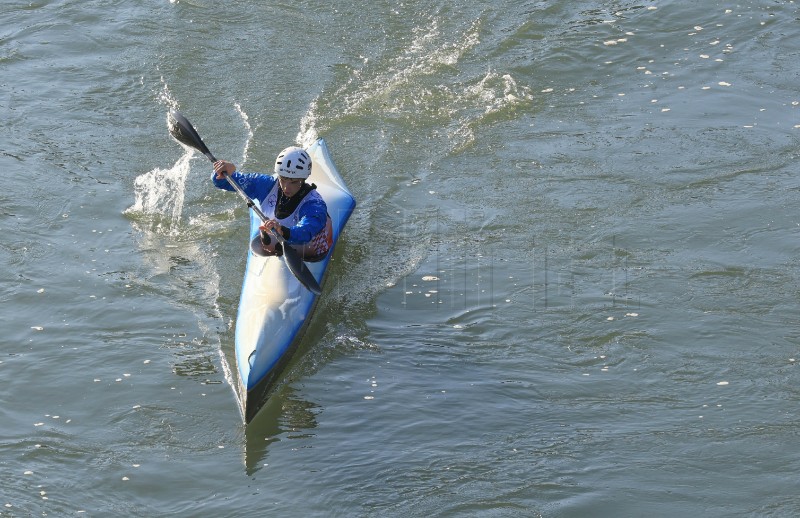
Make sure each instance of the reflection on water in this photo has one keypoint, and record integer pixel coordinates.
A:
(284, 417)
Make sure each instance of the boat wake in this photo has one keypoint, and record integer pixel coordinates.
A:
(415, 88)
(426, 87)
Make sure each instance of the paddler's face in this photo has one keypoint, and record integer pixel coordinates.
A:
(290, 186)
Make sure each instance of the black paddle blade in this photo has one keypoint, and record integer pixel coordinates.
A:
(182, 130)
(300, 270)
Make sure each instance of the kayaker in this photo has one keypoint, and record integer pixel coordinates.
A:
(293, 207)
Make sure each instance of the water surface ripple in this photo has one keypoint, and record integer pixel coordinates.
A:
(569, 289)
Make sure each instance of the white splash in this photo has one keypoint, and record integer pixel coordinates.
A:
(308, 131)
(162, 191)
(408, 84)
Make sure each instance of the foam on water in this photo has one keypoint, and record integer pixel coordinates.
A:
(413, 83)
(159, 194)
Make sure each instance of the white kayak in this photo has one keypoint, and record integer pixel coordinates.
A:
(274, 308)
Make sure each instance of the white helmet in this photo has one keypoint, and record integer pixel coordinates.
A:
(293, 162)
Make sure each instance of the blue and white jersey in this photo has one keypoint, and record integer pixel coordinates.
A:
(306, 222)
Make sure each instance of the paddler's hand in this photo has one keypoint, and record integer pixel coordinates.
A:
(223, 166)
(271, 224)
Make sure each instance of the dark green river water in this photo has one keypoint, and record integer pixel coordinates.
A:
(570, 287)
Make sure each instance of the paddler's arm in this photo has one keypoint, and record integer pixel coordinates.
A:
(313, 217)
(255, 185)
